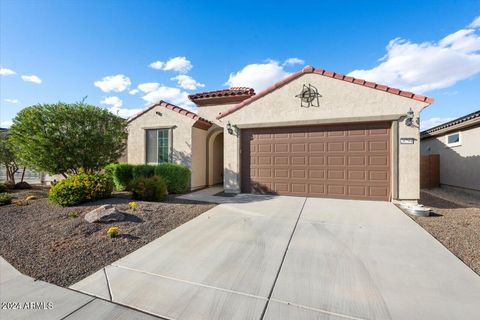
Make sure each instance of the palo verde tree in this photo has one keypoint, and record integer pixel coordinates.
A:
(64, 138)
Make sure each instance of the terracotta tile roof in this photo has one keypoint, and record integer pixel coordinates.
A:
(234, 94)
(310, 69)
(200, 122)
(459, 121)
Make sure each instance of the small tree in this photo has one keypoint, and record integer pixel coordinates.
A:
(64, 138)
(7, 158)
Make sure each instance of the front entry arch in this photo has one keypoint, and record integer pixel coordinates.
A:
(215, 158)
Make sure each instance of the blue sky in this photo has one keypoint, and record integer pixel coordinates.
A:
(126, 54)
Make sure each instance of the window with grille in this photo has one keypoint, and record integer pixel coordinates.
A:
(158, 146)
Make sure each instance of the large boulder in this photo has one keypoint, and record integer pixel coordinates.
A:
(105, 213)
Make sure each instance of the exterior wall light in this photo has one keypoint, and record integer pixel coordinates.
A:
(409, 119)
(232, 130)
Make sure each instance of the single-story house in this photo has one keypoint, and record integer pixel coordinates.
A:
(458, 144)
(315, 133)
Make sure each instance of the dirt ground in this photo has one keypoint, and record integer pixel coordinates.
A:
(43, 242)
(455, 224)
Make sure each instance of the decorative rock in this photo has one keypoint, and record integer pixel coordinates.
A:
(105, 213)
(31, 198)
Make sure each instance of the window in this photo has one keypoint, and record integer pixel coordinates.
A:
(158, 150)
(453, 139)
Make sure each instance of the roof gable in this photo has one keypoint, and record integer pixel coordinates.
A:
(200, 122)
(338, 76)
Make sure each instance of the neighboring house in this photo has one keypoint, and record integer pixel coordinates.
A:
(458, 144)
(315, 133)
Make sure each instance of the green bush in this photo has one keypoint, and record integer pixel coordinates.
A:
(81, 188)
(177, 177)
(3, 187)
(121, 173)
(143, 170)
(5, 198)
(148, 188)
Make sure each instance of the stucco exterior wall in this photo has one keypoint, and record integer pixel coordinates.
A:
(340, 102)
(180, 138)
(459, 165)
(211, 112)
(199, 158)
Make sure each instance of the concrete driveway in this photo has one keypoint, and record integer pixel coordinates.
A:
(293, 258)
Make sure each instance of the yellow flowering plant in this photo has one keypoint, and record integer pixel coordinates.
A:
(133, 205)
(112, 232)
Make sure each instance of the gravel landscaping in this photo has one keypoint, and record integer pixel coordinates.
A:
(456, 225)
(57, 245)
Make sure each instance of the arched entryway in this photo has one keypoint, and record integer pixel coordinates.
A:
(215, 158)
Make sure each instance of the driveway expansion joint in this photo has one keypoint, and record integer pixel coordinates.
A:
(341, 315)
(108, 284)
(192, 283)
(283, 259)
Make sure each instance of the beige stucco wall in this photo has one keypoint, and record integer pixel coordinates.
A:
(212, 112)
(181, 135)
(340, 101)
(199, 158)
(459, 165)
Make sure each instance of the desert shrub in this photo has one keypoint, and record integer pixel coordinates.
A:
(121, 173)
(148, 188)
(143, 170)
(3, 187)
(5, 198)
(177, 177)
(81, 188)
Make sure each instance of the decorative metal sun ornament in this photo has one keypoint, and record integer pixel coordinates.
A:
(309, 96)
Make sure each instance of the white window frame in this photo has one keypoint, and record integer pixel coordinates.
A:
(170, 146)
(454, 144)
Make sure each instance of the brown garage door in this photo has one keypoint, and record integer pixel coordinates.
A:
(338, 161)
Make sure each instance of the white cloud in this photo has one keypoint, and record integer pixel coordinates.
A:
(116, 83)
(124, 112)
(32, 78)
(257, 76)
(112, 101)
(427, 66)
(171, 95)
(6, 72)
(156, 65)
(133, 91)
(178, 64)
(293, 61)
(6, 124)
(148, 86)
(475, 23)
(187, 82)
(433, 122)
(14, 101)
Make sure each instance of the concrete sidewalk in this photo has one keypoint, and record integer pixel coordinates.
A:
(24, 298)
(293, 258)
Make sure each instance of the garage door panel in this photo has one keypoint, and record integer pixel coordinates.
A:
(299, 161)
(336, 175)
(378, 146)
(341, 161)
(336, 146)
(357, 191)
(280, 161)
(336, 160)
(316, 160)
(316, 174)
